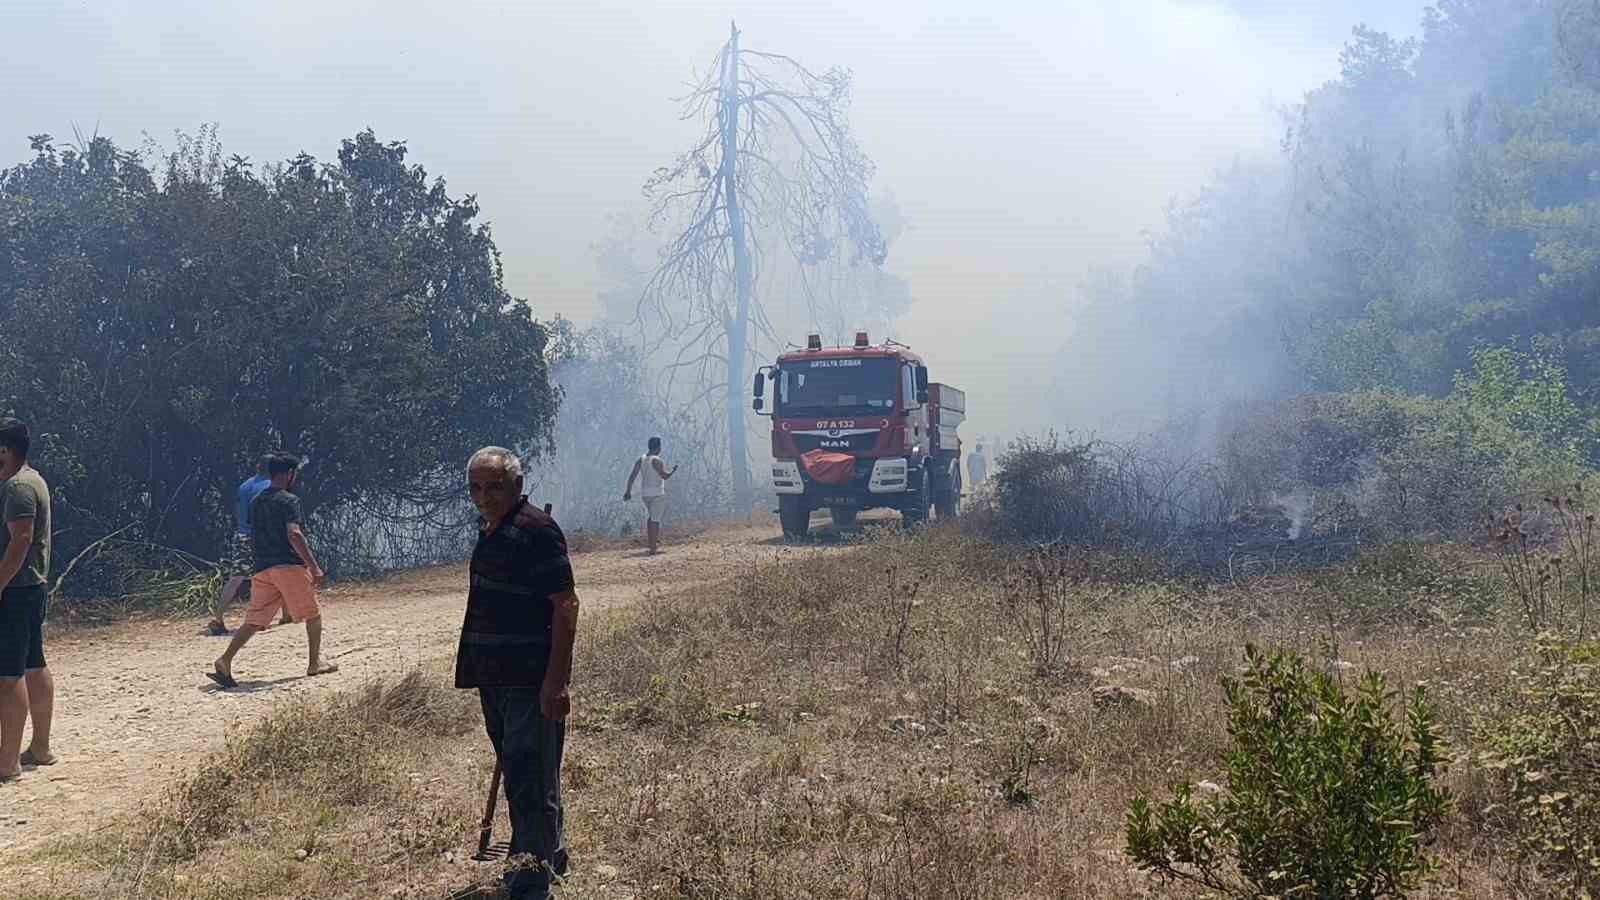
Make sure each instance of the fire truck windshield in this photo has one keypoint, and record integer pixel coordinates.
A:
(827, 388)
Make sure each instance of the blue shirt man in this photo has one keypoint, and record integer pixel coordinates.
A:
(239, 558)
(247, 495)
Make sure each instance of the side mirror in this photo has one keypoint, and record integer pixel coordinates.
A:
(922, 378)
(758, 404)
(760, 386)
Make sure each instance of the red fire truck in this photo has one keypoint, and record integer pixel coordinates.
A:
(858, 428)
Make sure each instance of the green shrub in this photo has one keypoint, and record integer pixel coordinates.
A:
(1045, 489)
(1400, 465)
(1052, 490)
(1545, 757)
(1327, 796)
(1527, 391)
(1407, 582)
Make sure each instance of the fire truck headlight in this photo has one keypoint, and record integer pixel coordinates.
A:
(786, 477)
(888, 476)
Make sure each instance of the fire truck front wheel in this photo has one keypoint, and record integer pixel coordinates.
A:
(795, 515)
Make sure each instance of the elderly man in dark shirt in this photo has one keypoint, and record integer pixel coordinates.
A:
(516, 649)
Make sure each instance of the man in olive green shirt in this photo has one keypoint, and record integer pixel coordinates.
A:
(26, 688)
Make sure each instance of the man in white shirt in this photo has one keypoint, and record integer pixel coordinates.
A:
(652, 490)
(978, 466)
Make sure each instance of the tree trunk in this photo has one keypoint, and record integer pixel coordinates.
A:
(738, 329)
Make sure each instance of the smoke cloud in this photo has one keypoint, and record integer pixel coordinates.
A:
(1025, 144)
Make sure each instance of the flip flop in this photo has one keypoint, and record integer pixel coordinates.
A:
(7, 779)
(225, 680)
(29, 759)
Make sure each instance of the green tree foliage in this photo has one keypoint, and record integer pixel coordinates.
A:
(1327, 795)
(1402, 464)
(1440, 195)
(163, 328)
(1527, 391)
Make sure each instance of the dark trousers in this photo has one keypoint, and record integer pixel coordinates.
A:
(529, 746)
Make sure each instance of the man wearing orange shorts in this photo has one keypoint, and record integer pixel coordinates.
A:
(286, 572)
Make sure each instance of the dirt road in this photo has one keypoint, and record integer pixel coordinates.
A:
(133, 710)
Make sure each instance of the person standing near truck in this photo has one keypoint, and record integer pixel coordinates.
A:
(652, 475)
(978, 466)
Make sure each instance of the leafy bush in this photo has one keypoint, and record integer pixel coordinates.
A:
(1398, 464)
(1328, 795)
(1406, 583)
(1545, 758)
(1044, 488)
(1525, 390)
(1050, 489)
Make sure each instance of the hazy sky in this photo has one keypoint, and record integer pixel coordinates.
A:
(1024, 141)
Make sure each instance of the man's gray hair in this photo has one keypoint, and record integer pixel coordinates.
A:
(500, 456)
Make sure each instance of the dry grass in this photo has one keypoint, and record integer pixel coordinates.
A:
(314, 801)
(876, 723)
(882, 724)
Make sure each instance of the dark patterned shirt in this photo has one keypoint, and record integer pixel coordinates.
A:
(505, 640)
(271, 514)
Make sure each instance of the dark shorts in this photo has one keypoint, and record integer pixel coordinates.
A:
(21, 630)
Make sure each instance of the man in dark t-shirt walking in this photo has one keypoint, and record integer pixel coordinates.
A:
(286, 572)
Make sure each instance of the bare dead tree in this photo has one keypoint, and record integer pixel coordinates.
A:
(777, 160)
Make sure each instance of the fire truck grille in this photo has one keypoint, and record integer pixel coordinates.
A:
(851, 443)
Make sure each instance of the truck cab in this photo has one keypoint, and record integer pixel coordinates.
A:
(858, 428)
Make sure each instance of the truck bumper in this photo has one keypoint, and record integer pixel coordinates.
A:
(876, 483)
